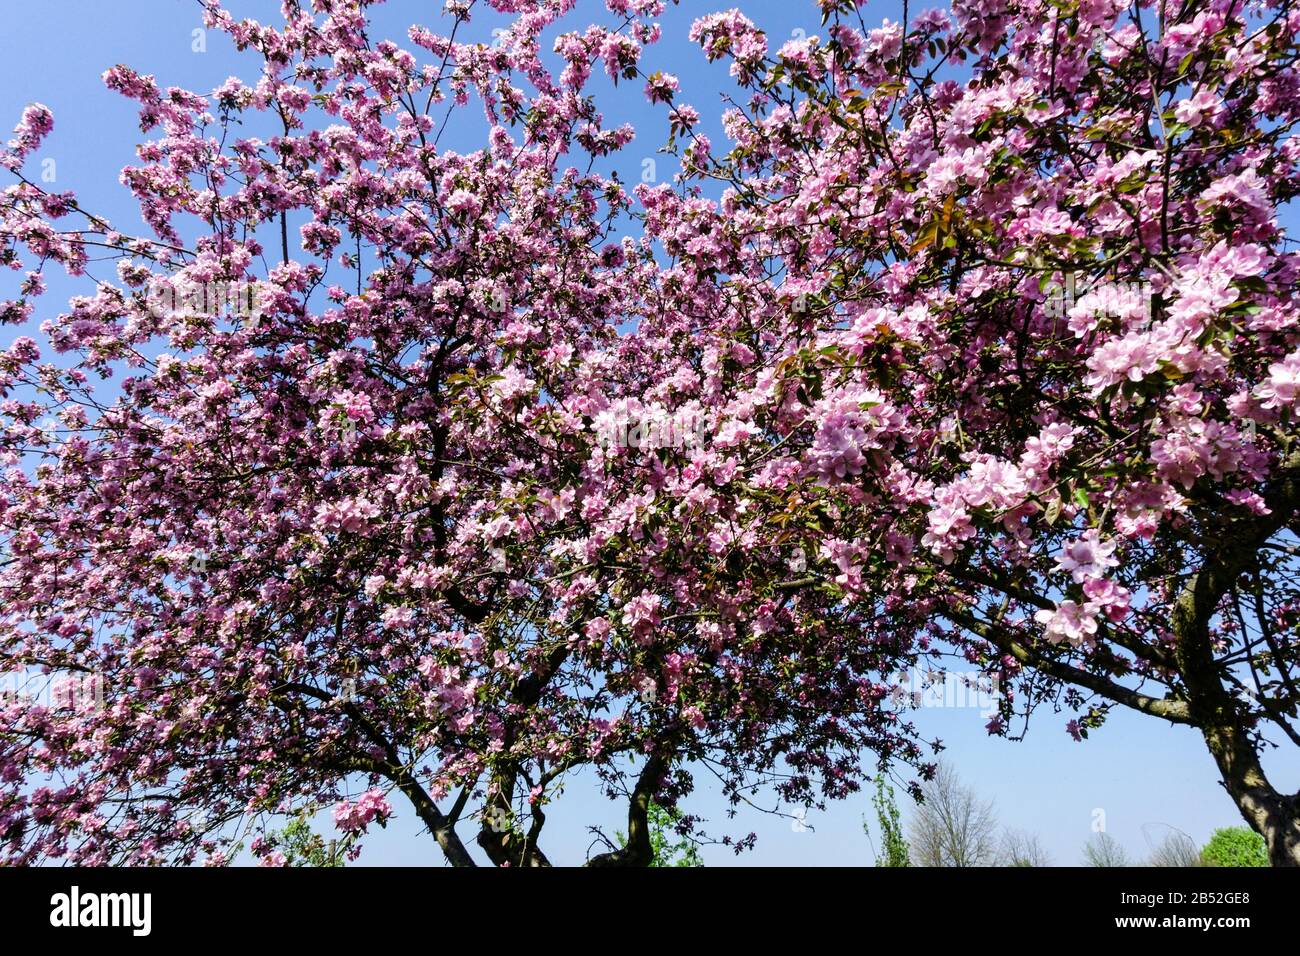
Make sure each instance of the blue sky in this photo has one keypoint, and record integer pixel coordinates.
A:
(1144, 774)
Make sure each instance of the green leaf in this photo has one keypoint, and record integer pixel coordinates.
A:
(1053, 512)
(928, 235)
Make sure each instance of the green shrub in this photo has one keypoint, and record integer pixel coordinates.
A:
(1235, 846)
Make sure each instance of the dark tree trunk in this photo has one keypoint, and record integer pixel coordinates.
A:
(1274, 816)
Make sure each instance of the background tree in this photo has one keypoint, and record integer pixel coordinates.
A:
(1235, 846)
(952, 825)
(299, 845)
(893, 844)
(1022, 848)
(1102, 849)
(1176, 849)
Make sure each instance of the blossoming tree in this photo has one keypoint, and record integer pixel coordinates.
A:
(978, 340)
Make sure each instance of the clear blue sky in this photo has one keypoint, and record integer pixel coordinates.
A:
(1143, 773)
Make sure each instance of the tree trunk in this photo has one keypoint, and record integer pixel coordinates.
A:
(1214, 708)
(1274, 816)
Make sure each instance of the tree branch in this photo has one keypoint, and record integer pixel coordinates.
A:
(1173, 710)
(637, 851)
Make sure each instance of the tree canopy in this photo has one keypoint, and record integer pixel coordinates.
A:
(977, 340)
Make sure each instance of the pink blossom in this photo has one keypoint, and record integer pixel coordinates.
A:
(356, 817)
(1087, 557)
(1202, 107)
(1071, 622)
(1282, 389)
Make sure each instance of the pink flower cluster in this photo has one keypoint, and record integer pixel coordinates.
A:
(37, 122)
(356, 817)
